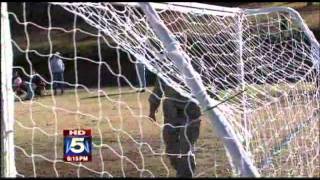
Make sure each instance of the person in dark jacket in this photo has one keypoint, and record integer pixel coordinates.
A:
(182, 126)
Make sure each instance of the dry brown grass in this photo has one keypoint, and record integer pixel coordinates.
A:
(128, 144)
(127, 113)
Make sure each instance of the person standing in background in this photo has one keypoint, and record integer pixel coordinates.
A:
(57, 69)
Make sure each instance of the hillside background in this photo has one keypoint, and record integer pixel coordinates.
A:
(87, 72)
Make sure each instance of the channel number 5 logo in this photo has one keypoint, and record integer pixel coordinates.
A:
(77, 146)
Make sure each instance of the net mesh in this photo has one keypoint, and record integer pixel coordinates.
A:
(268, 56)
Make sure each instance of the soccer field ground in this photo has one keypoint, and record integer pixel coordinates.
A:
(126, 142)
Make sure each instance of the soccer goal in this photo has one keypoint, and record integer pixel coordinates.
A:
(255, 73)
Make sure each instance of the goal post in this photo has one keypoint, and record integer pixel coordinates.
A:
(221, 126)
(8, 168)
(253, 72)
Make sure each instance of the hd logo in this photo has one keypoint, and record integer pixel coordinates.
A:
(77, 145)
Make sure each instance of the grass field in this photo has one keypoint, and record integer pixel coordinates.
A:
(127, 143)
(119, 124)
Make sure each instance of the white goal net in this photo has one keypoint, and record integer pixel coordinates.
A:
(268, 58)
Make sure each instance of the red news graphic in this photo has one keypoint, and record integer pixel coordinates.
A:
(77, 145)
